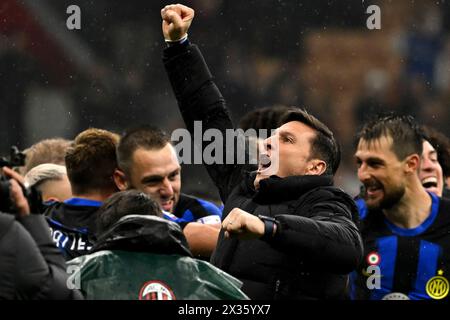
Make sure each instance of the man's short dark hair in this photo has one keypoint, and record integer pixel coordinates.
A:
(146, 137)
(324, 145)
(91, 161)
(442, 145)
(268, 118)
(122, 204)
(405, 133)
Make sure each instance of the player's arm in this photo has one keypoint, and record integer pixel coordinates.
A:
(198, 97)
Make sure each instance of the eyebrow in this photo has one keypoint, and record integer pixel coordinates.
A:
(153, 178)
(371, 160)
(287, 134)
(156, 178)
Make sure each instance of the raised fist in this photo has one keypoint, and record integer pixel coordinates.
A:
(176, 21)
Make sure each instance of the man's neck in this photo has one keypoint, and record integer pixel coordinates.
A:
(412, 210)
(93, 196)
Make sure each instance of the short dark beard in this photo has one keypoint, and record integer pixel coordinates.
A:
(389, 200)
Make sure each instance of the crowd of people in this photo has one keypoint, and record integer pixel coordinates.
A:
(103, 216)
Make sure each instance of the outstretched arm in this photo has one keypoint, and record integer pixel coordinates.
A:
(198, 97)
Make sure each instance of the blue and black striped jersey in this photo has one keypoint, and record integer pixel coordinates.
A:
(72, 225)
(409, 263)
(191, 209)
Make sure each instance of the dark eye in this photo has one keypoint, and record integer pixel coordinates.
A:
(173, 176)
(151, 183)
(375, 164)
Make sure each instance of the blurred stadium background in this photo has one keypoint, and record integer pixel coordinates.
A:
(314, 54)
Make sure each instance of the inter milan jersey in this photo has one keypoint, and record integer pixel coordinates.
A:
(409, 263)
(72, 224)
(191, 209)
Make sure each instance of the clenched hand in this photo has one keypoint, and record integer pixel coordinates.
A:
(177, 19)
(242, 224)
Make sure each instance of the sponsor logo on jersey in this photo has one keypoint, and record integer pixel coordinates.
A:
(395, 296)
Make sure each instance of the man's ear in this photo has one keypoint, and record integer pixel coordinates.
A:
(120, 179)
(51, 199)
(316, 167)
(412, 163)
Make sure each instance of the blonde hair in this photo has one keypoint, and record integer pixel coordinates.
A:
(46, 151)
(44, 172)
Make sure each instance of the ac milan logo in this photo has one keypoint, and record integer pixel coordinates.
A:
(156, 290)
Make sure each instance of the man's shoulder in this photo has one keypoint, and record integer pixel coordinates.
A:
(72, 221)
(444, 204)
(70, 213)
(330, 197)
(198, 206)
(6, 223)
(329, 194)
(54, 211)
(443, 214)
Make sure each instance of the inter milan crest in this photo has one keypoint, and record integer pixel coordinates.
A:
(438, 286)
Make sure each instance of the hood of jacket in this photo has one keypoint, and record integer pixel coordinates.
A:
(144, 234)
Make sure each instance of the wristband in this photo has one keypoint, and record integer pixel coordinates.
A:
(270, 227)
(175, 42)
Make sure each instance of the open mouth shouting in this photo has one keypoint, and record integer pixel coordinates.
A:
(264, 163)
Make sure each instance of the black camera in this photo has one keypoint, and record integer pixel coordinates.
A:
(33, 196)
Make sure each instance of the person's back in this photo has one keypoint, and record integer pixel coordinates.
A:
(30, 270)
(31, 267)
(72, 225)
(154, 248)
(90, 163)
(161, 263)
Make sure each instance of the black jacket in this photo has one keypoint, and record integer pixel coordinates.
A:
(31, 267)
(317, 244)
